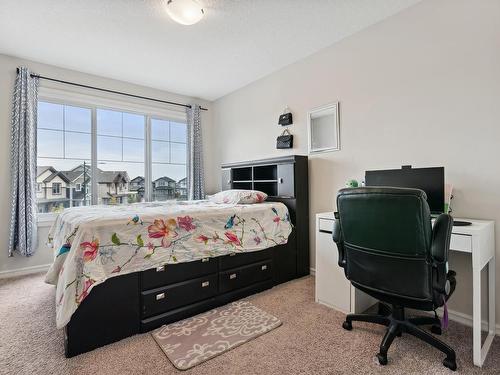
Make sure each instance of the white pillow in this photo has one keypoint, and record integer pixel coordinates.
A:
(237, 196)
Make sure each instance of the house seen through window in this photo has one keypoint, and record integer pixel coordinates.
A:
(68, 174)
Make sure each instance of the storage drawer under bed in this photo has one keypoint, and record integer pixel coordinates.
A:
(160, 300)
(240, 259)
(174, 273)
(243, 276)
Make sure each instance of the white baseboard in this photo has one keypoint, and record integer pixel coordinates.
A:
(24, 271)
(456, 316)
(466, 319)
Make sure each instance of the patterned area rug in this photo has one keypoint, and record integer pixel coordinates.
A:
(192, 341)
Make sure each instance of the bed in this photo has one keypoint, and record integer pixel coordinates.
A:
(111, 262)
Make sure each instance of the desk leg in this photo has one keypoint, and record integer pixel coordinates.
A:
(491, 299)
(476, 316)
(491, 310)
(480, 353)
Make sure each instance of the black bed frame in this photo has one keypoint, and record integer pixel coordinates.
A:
(141, 301)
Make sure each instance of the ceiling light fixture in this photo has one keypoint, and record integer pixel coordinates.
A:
(185, 12)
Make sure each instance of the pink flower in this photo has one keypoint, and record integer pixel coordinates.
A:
(202, 238)
(86, 286)
(186, 223)
(260, 198)
(117, 269)
(276, 219)
(233, 238)
(163, 230)
(91, 250)
(257, 240)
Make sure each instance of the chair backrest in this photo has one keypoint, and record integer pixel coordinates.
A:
(387, 236)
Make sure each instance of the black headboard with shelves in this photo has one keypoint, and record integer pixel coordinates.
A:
(284, 179)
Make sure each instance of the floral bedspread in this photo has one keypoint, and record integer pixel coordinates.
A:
(92, 244)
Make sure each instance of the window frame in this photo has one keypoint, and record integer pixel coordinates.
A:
(152, 110)
(59, 190)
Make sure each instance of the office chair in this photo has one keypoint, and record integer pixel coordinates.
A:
(389, 250)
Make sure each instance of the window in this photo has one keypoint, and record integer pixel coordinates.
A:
(123, 164)
(120, 155)
(56, 188)
(64, 148)
(168, 156)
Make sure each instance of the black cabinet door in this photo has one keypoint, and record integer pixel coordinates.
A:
(226, 179)
(286, 183)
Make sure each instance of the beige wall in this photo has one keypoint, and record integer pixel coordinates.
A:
(420, 88)
(8, 66)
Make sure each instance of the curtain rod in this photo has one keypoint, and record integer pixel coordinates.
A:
(112, 91)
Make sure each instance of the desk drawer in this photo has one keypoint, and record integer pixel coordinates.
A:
(174, 273)
(159, 300)
(461, 242)
(325, 225)
(246, 275)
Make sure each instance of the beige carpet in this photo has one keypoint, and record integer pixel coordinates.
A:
(194, 340)
(310, 341)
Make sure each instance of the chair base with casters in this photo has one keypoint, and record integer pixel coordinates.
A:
(397, 324)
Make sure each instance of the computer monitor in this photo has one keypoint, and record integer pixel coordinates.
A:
(430, 180)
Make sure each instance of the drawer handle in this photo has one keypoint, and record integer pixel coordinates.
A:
(205, 284)
(203, 260)
(264, 267)
(160, 269)
(232, 276)
(160, 296)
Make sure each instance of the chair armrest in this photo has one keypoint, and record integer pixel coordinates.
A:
(441, 234)
(337, 238)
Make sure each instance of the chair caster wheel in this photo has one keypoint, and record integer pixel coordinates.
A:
(347, 325)
(382, 359)
(450, 363)
(436, 330)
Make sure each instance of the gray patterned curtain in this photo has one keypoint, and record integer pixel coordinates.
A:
(22, 233)
(196, 179)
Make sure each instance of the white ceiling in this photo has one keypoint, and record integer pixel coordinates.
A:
(237, 42)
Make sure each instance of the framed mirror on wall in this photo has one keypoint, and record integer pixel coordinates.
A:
(323, 128)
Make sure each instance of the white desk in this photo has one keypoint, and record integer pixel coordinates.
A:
(478, 239)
